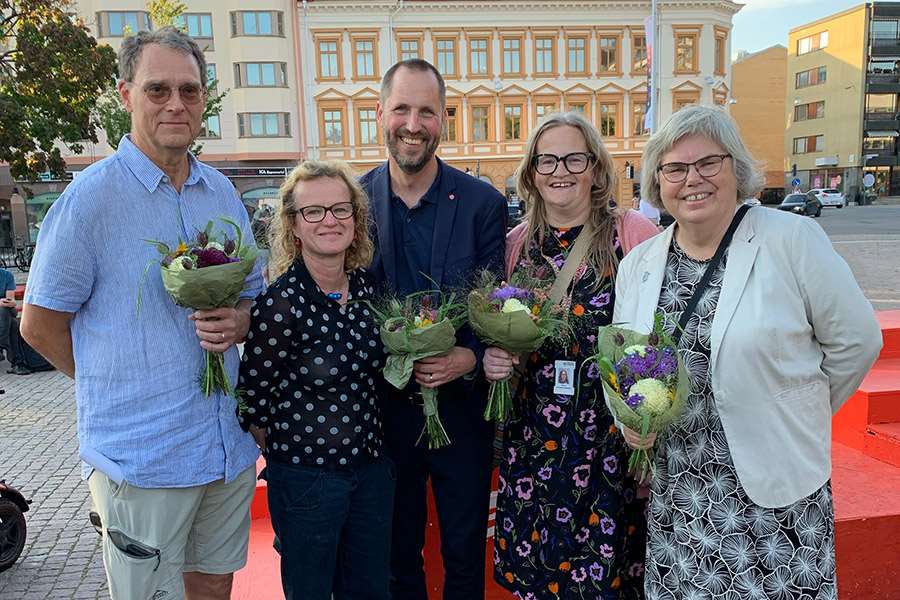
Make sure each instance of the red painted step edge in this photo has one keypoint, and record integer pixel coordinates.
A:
(890, 331)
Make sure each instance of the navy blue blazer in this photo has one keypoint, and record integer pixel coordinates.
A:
(469, 235)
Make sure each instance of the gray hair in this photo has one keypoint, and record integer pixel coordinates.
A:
(710, 122)
(170, 37)
(417, 65)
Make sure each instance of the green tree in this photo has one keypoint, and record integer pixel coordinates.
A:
(115, 120)
(51, 73)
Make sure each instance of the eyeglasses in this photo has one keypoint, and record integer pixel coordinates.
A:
(708, 166)
(316, 214)
(576, 162)
(189, 93)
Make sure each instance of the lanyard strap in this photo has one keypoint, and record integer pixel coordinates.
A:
(710, 269)
(573, 261)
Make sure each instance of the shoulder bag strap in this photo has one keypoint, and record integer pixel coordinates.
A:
(710, 269)
(573, 261)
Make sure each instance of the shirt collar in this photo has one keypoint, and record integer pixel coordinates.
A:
(316, 295)
(431, 196)
(148, 172)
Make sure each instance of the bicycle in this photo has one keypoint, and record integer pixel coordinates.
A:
(23, 257)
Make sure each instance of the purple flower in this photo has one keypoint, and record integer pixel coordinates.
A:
(579, 575)
(601, 300)
(607, 525)
(524, 549)
(507, 524)
(582, 475)
(524, 487)
(559, 260)
(526, 433)
(590, 434)
(501, 485)
(590, 454)
(636, 569)
(596, 570)
(512, 455)
(606, 551)
(610, 464)
(593, 371)
(507, 291)
(587, 415)
(209, 257)
(634, 400)
(563, 514)
(583, 536)
(555, 415)
(544, 473)
(544, 536)
(548, 372)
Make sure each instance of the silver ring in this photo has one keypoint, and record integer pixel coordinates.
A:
(430, 377)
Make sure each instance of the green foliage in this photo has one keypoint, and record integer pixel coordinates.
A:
(165, 12)
(51, 73)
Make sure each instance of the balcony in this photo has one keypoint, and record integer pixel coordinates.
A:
(883, 157)
(883, 83)
(888, 46)
(881, 122)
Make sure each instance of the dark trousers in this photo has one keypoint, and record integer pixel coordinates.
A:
(461, 481)
(9, 333)
(334, 529)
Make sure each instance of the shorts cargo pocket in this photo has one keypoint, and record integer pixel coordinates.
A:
(133, 568)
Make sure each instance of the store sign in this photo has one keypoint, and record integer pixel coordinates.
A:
(253, 171)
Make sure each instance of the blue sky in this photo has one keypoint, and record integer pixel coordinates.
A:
(764, 23)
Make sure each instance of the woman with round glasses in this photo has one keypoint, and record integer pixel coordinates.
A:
(307, 378)
(776, 335)
(569, 525)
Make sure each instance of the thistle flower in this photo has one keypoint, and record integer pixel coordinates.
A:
(202, 239)
(229, 247)
(187, 263)
(619, 339)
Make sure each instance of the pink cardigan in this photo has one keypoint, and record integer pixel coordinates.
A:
(632, 228)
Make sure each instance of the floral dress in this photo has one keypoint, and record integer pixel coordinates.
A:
(707, 539)
(568, 522)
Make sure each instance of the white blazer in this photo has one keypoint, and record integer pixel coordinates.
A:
(792, 338)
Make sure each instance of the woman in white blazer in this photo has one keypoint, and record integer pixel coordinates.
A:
(781, 336)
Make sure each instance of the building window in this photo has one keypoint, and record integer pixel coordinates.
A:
(409, 49)
(815, 76)
(576, 55)
(450, 126)
(720, 52)
(542, 109)
(579, 107)
(512, 55)
(197, 25)
(639, 54)
(608, 117)
(881, 106)
(686, 52)
(809, 144)
(609, 55)
(811, 43)
(480, 123)
(512, 122)
(813, 110)
(544, 55)
(333, 120)
(638, 113)
(264, 125)
(364, 60)
(266, 23)
(879, 144)
(445, 49)
(368, 127)
(479, 53)
(210, 128)
(119, 23)
(329, 63)
(260, 74)
(885, 29)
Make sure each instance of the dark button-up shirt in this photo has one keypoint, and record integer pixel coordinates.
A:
(413, 230)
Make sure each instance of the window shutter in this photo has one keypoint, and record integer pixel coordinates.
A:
(279, 19)
(286, 117)
(101, 30)
(235, 31)
(237, 75)
(283, 74)
(241, 126)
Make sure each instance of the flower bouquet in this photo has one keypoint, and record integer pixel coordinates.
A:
(516, 317)
(416, 328)
(645, 381)
(206, 273)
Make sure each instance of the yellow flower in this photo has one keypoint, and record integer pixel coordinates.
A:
(614, 381)
(181, 249)
(536, 309)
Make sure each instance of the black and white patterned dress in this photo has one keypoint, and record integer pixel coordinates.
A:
(707, 539)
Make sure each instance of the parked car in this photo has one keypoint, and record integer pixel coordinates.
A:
(828, 196)
(772, 196)
(804, 204)
(752, 201)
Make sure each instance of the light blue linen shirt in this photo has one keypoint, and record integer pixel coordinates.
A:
(141, 414)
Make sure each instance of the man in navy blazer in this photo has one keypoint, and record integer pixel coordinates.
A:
(434, 226)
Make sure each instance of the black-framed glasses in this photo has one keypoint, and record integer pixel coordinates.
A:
(316, 214)
(708, 166)
(576, 162)
(159, 93)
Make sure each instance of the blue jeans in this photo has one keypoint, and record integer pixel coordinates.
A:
(334, 527)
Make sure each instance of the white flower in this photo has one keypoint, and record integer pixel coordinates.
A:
(657, 397)
(638, 349)
(513, 305)
(178, 264)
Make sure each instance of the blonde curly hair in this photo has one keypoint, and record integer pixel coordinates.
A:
(285, 246)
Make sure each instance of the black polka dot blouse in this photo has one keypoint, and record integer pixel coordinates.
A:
(309, 369)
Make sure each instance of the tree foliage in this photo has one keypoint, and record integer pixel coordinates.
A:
(51, 73)
(115, 120)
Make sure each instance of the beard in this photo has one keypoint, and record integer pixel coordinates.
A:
(410, 164)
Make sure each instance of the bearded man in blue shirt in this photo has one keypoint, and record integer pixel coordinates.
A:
(171, 473)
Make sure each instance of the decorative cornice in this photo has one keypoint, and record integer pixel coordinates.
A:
(424, 6)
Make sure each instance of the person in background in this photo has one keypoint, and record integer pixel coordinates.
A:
(9, 327)
(569, 524)
(741, 504)
(308, 378)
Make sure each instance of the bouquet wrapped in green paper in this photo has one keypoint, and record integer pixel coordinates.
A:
(645, 381)
(516, 317)
(206, 273)
(417, 328)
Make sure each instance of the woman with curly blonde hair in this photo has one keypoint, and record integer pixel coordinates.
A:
(308, 376)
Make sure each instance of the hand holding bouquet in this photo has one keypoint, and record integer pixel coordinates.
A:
(414, 329)
(517, 319)
(206, 273)
(645, 382)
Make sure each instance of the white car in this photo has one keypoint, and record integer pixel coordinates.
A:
(829, 197)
